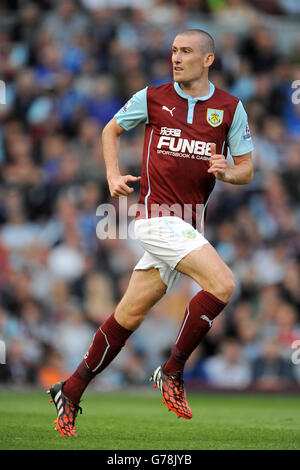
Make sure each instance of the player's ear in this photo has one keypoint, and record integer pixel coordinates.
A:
(209, 59)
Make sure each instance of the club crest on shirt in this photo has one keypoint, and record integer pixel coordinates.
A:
(189, 233)
(214, 117)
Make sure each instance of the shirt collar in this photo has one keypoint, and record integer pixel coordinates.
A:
(188, 97)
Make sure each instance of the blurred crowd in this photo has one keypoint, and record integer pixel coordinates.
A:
(68, 66)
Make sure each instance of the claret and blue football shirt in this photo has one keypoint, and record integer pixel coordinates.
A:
(179, 132)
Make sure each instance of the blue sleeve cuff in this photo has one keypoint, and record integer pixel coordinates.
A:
(239, 137)
(134, 112)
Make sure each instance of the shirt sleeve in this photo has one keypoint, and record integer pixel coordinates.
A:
(239, 137)
(134, 112)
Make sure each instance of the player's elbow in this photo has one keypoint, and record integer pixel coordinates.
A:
(250, 175)
(247, 174)
(245, 170)
(112, 128)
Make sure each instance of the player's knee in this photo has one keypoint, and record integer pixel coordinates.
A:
(226, 286)
(134, 321)
(230, 285)
(222, 287)
(129, 319)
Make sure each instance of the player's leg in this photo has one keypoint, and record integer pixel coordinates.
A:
(205, 266)
(144, 290)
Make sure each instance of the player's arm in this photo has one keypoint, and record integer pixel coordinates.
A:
(133, 113)
(110, 144)
(240, 145)
(240, 173)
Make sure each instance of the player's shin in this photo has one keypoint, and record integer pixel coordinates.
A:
(107, 343)
(199, 316)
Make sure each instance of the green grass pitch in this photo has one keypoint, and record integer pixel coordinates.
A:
(139, 421)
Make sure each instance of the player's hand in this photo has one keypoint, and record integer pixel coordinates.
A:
(118, 185)
(217, 163)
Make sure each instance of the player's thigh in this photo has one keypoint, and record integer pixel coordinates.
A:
(145, 288)
(207, 268)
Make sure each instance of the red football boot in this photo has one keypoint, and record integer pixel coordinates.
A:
(66, 410)
(173, 392)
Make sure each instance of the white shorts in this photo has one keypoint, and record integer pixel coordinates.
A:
(166, 240)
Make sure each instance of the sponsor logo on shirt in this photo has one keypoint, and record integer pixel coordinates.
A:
(247, 135)
(214, 117)
(164, 108)
(169, 131)
(126, 106)
(179, 147)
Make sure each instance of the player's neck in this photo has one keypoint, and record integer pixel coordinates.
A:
(196, 88)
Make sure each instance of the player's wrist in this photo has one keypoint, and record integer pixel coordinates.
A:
(224, 176)
(111, 176)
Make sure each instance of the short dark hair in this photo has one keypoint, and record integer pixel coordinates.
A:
(208, 43)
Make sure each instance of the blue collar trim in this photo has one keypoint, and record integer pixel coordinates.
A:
(188, 97)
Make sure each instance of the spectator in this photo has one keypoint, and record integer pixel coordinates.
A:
(52, 370)
(271, 371)
(228, 369)
(65, 21)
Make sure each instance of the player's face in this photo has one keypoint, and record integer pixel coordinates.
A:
(187, 58)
